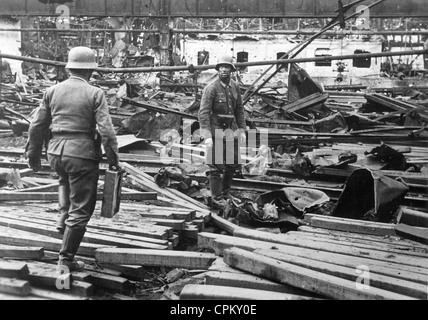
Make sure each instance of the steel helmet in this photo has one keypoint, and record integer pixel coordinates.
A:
(81, 58)
(225, 60)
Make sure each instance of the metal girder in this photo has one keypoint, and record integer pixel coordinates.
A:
(207, 8)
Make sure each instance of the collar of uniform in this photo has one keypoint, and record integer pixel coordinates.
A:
(78, 78)
(225, 85)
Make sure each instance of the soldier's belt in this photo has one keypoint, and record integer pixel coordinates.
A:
(73, 135)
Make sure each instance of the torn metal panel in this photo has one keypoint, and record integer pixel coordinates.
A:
(369, 195)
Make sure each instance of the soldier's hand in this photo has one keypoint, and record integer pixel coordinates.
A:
(34, 163)
(242, 138)
(116, 167)
(209, 142)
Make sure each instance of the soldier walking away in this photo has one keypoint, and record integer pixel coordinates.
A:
(77, 116)
(222, 122)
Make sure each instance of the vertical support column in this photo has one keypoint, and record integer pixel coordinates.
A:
(165, 39)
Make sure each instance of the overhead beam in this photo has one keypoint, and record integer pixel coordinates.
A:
(206, 8)
(243, 64)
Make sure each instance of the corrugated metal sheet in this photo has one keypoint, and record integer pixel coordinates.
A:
(213, 8)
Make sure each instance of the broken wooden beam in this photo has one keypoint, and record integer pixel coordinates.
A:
(414, 233)
(387, 283)
(412, 217)
(304, 278)
(174, 259)
(15, 237)
(307, 102)
(210, 292)
(352, 225)
(53, 295)
(100, 237)
(21, 252)
(15, 286)
(13, 269)
(160, 109)
(53, 196)
(249, 281)
(219, 243)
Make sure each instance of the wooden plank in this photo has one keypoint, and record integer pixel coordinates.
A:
(21, 252)
(306, 102)
(47, 188)
(129, 271)
(221, 266)
(146, 181)
(190, 231)
(249, 281)
(405, 243)
(413, 233)
(89, 237)
(224, 224)
(388, 265)
(15, 237)
(313, 243)
(108, 281)
(354, 226)
(174, 240)
(408, 288)
(53, 295)
(52, 268)
(173, 223)
(412, 217)
(317, 282)
(47, 278)
(173, 259)
(209, 292)
(169, 214)
(363, 243)
(13, 269)
(15, 286)
(158, 215)
(96, 223)
(290, 237)
(133, 272)
(53, 196)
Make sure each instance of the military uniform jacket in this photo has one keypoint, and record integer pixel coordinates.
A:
(75, 111)
(221, 108)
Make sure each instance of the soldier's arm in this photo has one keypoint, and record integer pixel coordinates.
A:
(204, 115)
(38, 129)
(106, 129)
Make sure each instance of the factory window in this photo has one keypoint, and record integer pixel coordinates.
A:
(242, 57)
(361, 62)
(282, 55)
(323, 52)
(203, 58)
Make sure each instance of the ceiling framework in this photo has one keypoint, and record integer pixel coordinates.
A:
(209, 8)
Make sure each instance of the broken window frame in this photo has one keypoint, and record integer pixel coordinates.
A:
(245, 55)
(326, 52)
(361, 62)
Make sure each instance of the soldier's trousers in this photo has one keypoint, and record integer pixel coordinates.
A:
(81, 175)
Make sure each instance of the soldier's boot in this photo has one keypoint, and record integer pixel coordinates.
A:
(64, 206)
(70, 244)
(227, 183)
(216, 192)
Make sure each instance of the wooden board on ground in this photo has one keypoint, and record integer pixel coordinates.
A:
(317, 282)
(21, 252)
(249, 281)
(209, 292)
(173, 259)
(15, 286)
